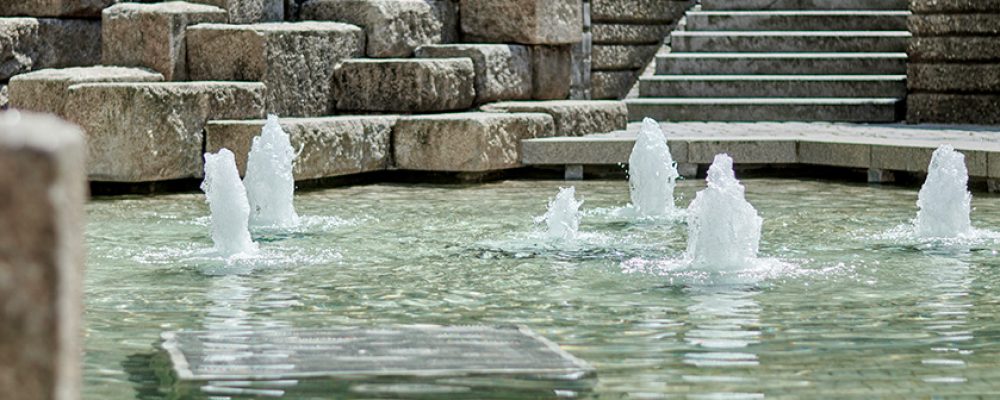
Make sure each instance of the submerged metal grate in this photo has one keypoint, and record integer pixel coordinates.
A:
(359, 352)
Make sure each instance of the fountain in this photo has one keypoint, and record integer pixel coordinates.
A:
(227, 199)
(944, 200)
(652, 172)
(269, 181)
(563, 215)
(723, 228)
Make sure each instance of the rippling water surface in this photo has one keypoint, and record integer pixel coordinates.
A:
(854, 310)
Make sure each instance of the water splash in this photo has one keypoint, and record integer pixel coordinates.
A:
(944, 200)
(227, 199)
(563, 215)
(269, 180)
(652, 172)
(723, 228)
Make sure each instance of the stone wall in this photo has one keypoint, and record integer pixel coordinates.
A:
(954, 69)
(625, 36)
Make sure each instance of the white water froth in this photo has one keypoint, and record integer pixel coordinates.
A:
(652, 173)
(269, 180)
(723, 228)
(944, 200)
(227, 199)
(563, 215)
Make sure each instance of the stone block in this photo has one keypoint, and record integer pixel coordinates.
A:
(45, 90)
(552, 72)
(295, 60)
(394, 28)
(330, 146)
(954, 6)
(42, 262)
(522, 21)
(981, 109)
(143, 132)
(638, 11)
(503, 72)
(54, 8)
(954, 48)
(975, 78)
(446, 11)
(249, 11)
(955, 24)
(405, 85)
(611, 33)
(160, 46)
(619, 57)
(581, 60)
(762, 151)
(465, 142)
(572, 117)
(847, 155)
(612, 84)
(4, 97)
(28, 44)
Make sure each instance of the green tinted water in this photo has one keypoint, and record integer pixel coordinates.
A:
(858, 314)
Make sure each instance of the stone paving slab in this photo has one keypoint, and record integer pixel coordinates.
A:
(879, 146)
(353, 352)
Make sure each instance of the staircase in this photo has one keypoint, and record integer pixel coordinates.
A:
(782, 60)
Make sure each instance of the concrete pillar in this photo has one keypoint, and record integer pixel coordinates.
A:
(42, 191)
(876, 175)
(687, 170)
(574, 173)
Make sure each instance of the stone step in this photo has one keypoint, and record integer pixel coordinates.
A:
(765, 109)
(790, 41)
(835, 20)
(405, 85)
(843, 86)
(804, 4)
(781, 63)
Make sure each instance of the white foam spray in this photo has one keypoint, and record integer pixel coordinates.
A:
(269, 180)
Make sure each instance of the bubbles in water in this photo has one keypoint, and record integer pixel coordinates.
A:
(652, 172)
(563, 216)
(227, 199)
(269, 180)
(723, 228)
(944, 200)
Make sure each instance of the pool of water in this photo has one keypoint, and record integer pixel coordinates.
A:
(855, 310)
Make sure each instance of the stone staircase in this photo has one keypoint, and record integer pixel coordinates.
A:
(782, 60)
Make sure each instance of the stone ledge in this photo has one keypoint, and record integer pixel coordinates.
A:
(329, 146)
(405, 85)
(28, 44)
(572, 117)
(955, 24)
(46, 90)
(641, 11)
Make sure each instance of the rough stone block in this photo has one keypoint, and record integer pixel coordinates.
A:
(54, 8)
(156, 130)
(847, 155)
(572, 117)
(44, 188)
(160, 46)
(446, 11)
(954, 48)
(503, 72)
(331, 146)
(394, 28)
(28, 44)
(465, 142)
(643, 11)
(405, 85)
(612, 84)
(295, 60)
(619, 57)
(954, 6)
(45, 90)
(629, 33)
(983, 109)
(552, 71)
(522, 21)
(955, 24)
(975, 78)
(249, 11)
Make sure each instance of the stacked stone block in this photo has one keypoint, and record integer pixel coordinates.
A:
(394, 28)
(28, 44)
(626, 36)
(954, 70)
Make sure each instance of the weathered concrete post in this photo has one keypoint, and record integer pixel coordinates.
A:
(42, 191)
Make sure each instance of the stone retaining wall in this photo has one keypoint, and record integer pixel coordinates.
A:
(954, 69)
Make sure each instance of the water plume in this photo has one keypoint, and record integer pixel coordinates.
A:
(944, 199)
(563, 215)
(723, 228)
(227, 199)
(652, 172)
(269, 180)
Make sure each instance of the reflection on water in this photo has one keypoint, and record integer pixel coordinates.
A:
(947, 307)
(725, 322)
